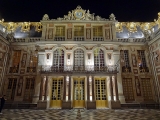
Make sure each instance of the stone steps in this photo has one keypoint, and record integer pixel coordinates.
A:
(20, 106)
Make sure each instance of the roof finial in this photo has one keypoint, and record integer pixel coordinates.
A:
(112, 17)
(2, 20)
(45, 17)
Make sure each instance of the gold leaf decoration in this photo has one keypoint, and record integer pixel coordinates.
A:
(119, 27)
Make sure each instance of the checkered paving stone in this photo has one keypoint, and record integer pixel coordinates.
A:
(81, 114)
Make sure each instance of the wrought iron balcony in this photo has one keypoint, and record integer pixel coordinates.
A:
(126, 69)
(143, 69)
(31, 69)
(78, 69)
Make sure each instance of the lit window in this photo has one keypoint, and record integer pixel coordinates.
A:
(60, 31)
(78, 30)
(97, 31)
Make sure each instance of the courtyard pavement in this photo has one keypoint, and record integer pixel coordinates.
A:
(80, 114)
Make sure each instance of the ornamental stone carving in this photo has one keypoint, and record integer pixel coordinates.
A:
(112, 17)
(147, 34)
(89, 16)
(10, 37)
(45, 17)
(2, 20)
(81, 14)
(158, 20)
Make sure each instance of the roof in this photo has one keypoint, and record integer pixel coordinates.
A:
(123, 29)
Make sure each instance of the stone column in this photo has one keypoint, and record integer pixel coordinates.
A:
(116, 88)
(66, 103)
(36, 89)
(46, 88)
(41, 88)
(111, 89)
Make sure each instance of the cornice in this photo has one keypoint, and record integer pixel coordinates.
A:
(4, 40)
(79, 42)
(155, 38)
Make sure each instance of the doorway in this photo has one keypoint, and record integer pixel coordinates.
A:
(101, 93)
(56, 93)
(79, 92)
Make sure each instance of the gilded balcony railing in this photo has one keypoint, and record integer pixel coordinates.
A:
(78, 69)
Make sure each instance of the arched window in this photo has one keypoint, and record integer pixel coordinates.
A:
(58, 60)
(78, 59)
(98, 60)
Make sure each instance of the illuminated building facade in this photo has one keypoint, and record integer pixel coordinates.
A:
(80, 61)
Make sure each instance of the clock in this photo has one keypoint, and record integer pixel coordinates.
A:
(79, 14)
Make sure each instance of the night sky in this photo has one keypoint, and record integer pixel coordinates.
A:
(124, 10)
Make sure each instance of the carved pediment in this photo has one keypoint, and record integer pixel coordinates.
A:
(79, 14)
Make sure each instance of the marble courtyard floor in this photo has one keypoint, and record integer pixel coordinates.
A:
(81, 114)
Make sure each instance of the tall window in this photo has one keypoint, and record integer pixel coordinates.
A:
(78, 59)
(128, 89)
(125, 57)
(15, 61)
(78, 31)
(98, 59)
(11, 89)
(58, 60)
(33, 60)
(97, 31)
(141, 59)
(16, 58)
(29, 89)
(60, 31)
(125, 61)
(147, 89)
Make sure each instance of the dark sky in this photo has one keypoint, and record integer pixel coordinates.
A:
(124, 10)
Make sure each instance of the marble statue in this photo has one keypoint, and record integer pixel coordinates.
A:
(89, 16)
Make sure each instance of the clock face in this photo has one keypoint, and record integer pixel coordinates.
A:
(79, 14)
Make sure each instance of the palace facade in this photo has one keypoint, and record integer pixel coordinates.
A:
(80, 61)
